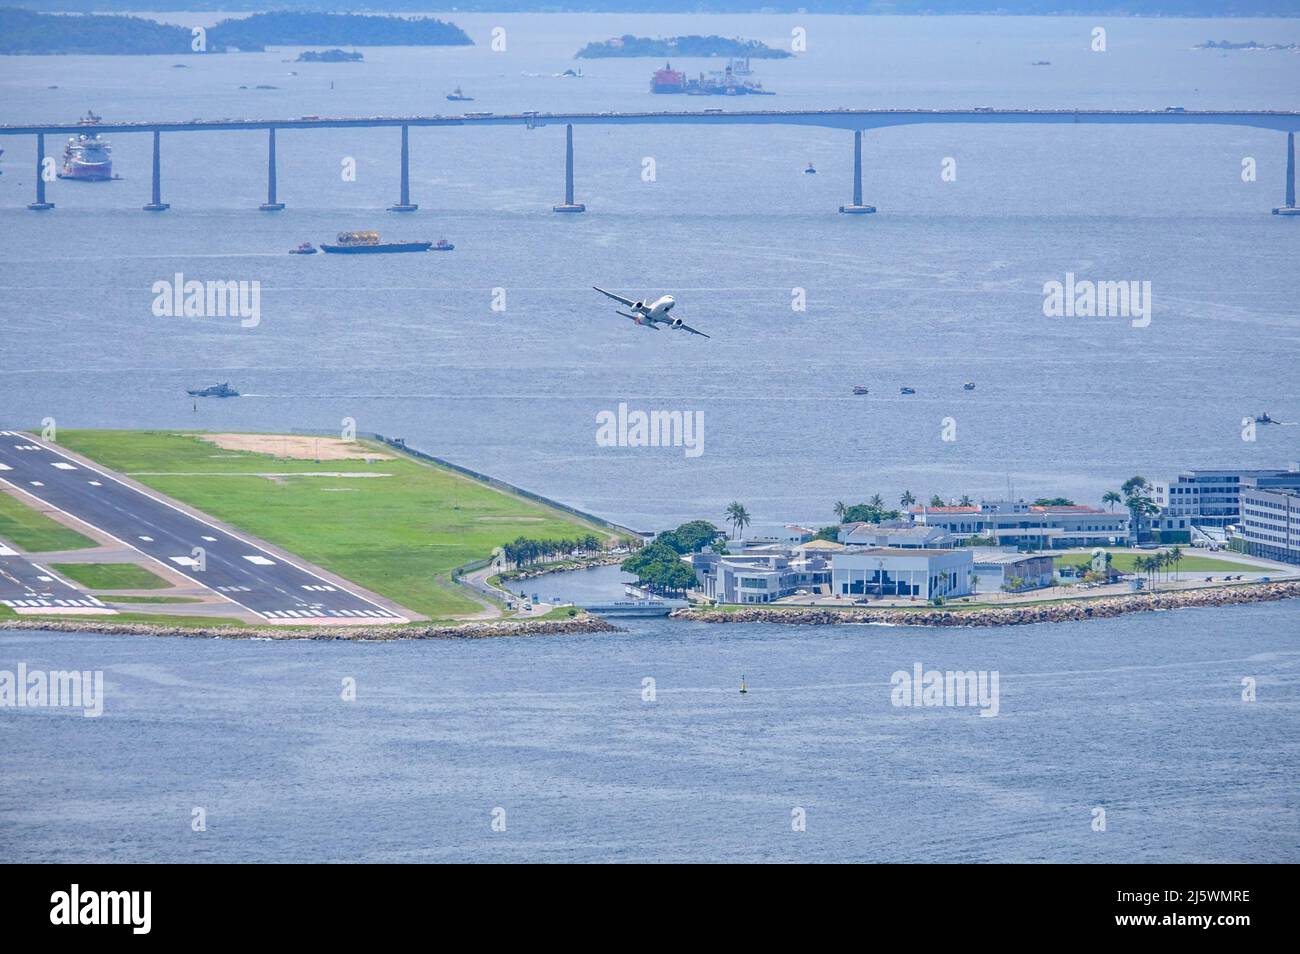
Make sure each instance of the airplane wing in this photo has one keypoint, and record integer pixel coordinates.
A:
(624, 301)
(693, 331)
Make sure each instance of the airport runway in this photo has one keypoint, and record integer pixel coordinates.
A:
(26, 587)
(273, 588)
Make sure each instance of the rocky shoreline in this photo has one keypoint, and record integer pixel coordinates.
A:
(479, 630)
(1104, 607)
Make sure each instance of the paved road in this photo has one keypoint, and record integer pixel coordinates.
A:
(26, 587)
(271, 587)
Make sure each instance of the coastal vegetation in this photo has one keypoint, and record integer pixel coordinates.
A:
(27, 32)
(628, 45)
(400, 531)
(525, 551)
(658, 566)
(30, 530)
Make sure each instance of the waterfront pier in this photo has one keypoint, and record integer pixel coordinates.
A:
(856, 120)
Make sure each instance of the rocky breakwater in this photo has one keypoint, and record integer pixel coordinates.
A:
(1017, 615)
(583, 623)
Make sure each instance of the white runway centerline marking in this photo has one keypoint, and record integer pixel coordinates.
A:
(62, 465)
(259, 560)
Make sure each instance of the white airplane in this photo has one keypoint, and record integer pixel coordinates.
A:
(653, 314)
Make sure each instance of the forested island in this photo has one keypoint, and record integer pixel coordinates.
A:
(27, 32)
(1248, 45)
(329, 56)
(661, 47)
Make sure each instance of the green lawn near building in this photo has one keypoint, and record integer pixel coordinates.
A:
(1123, 560)
(399, 534)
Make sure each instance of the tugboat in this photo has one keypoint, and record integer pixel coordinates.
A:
(457, 95)
(968, 386)
(86, 156)
(306, 248)
(860, 389)
(363, 243)
(442, 245)
(810, 171)
(907, 390)
(223, 390)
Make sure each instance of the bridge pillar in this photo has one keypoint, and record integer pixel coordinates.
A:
(1290, 207)
(404, 204)
(270, 205)
(569, 205)
(40, 205)
(156, 204)
(857, 208)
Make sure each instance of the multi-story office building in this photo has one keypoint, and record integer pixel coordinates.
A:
(1269, 525)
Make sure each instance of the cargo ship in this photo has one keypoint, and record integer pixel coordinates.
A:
(363, 243)
(724, 82)
(86, 156)
(457, 95)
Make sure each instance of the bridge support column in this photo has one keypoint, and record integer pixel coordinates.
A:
(857, 208)
(40, 205)
(569, 205)
(404, 204)
(156, 204)
(1290, 207)
(270, 205)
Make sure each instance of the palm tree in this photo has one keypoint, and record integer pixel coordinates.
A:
(742, 519)
(906, 500)
(966, 501)
(737, 516)
(1176, 557)
(840, 510)
(1111, 498)
(876, 502)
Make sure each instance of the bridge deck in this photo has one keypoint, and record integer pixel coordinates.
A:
(1283, 120)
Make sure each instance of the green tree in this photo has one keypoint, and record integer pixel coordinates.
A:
(1110, 498)
(965, 501)
(737, 516)
(906, 500)
(840, 509)
(1137, 498)
(936, 501)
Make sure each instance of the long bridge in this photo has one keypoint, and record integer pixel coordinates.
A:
(856, 120)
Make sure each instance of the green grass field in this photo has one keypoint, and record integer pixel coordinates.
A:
(111, 576)
(29, 529)
(1122, 560)
(132, 598)
(398, 535)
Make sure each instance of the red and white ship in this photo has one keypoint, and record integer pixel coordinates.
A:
(86, 156)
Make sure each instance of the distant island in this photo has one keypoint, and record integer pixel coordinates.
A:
(341, 29)
(1248, 45)
(329, 56)
(629, 46)
(23, 32)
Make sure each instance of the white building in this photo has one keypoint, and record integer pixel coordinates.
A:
(1269, 525)
(896, 537)
(758, 576)
(1012, 571)
(1212, 498)
(1019, 524)
(892, 572)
